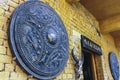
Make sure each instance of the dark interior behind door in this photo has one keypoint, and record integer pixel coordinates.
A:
(87, 67)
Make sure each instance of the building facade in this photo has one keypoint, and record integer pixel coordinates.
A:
(78, 22)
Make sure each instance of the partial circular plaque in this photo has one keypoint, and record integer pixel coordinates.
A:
(38, 39)
(114, 66)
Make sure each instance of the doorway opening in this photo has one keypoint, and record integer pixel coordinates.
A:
(89, 69)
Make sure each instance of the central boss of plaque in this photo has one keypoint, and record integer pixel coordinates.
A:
(38, 39)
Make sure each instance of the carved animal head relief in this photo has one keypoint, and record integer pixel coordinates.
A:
(78, 64)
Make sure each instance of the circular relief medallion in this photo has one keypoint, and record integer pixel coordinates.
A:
(114, 66)
(39, 39)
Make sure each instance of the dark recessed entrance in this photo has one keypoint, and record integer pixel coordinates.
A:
(88, 66)
(90, 49)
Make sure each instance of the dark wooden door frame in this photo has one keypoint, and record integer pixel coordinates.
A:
(94, 70)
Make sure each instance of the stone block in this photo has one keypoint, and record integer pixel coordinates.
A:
(1, 25)
(14, 76)
(2, 11)
(69, 76)
(21, 1)
(5, 59)
(32, 79)
(2, 50)
(18, 69)
(64, 76)
(6, 43)
(5, 26)
(4, 4)
(9, 51)
(4, 75)
(16, 1)
(1, 41)
(2, 35)
(59, 77)
(1, 66)
(11, 9)
(3, 19)
(9, 67)
(13, 4)
(22, 77)
(8, 14)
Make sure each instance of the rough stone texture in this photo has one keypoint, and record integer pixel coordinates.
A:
(2, 50)
(4, 4)
(1, 66)
(4, 75)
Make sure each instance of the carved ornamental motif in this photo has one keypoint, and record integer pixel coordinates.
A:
(39, 39)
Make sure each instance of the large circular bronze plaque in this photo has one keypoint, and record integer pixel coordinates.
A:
(39, 39)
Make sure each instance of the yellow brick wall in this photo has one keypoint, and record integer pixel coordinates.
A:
(74, 16)
(108, 45)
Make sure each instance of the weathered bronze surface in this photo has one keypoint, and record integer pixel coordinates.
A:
(114, 65)
(39, 39)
